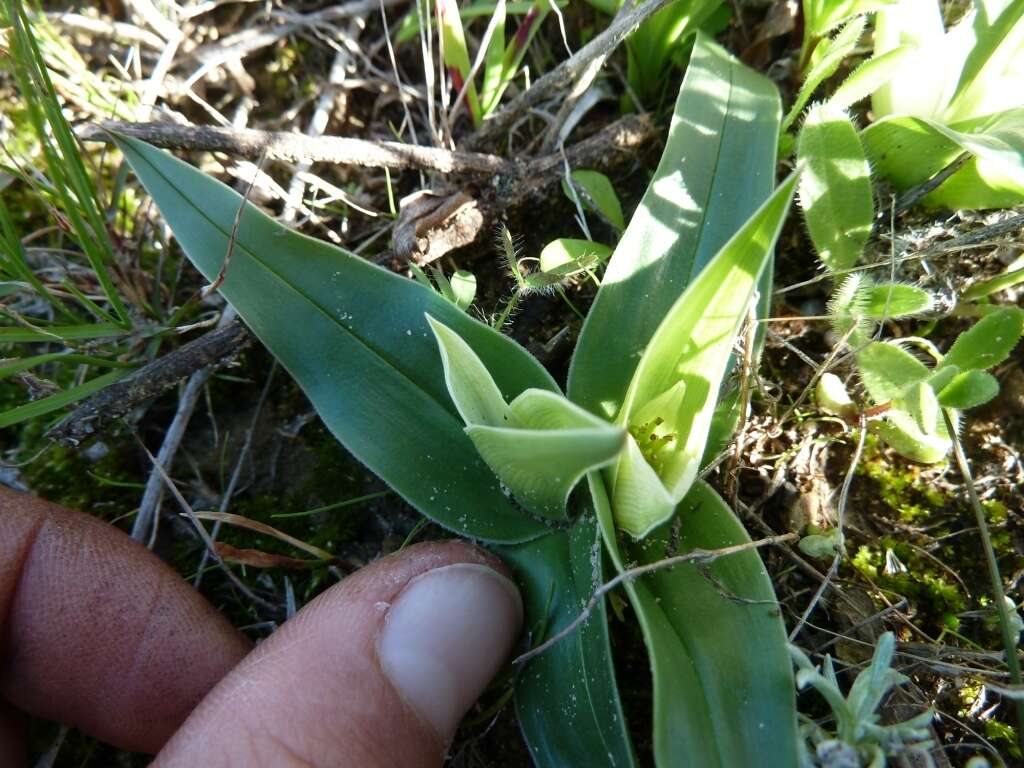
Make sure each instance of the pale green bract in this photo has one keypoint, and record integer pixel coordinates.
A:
(540, 445)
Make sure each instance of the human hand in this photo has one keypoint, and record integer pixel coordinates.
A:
(98, 633)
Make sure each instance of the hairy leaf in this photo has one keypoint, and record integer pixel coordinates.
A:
(969, 390)
(889, 300)
(888, 370)
(835, 187)
(988, 342)
(830, 53)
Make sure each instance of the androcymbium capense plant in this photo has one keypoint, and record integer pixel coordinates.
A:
(472, 431)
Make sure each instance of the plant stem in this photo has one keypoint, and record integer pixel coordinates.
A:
(1009, 644)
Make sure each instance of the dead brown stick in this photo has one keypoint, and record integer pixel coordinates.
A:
(212, 349)
(564, 75)
(702, 556)
(296, 147)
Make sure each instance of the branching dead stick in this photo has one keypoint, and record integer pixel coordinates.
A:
(702, 556)
(296, 147)
(564, 75)
(111, 403)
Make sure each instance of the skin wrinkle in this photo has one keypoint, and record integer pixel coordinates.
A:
(100, 633)
(11, 594)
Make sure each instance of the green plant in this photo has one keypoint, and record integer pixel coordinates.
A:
(663, 39)
(482, 441)
(960, 91)
(911, 397)
(499, 59)
(858, 737)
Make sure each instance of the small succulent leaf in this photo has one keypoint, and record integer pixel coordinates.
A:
(597, 193)
(720, 150)
(833, 397)
(888, 370)
(355, 338)
(566, 257)
(639, 498)
(941, 376)
(893, 300)
(899, 430)
(463, 288)
(541, 467)
(567, 701)
(694, 342)
(988, 342)
(969, 390)
(835, 186)
(471, 386)
(829, 54)
(711, 656)
(871, 75)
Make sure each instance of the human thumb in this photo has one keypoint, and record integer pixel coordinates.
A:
(377, 671)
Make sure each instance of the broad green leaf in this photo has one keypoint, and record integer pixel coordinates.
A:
(832, 53)
(721, 152)
(476, 396)
(723, 683)
(969, 390)
(910, 150)
(888, 370)
(988, 342)
(679, 375)
(356, 339)
(889, 300)
(835, 187)
(566, 698)
(871, 75)
(596, 192)
(566, 257)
